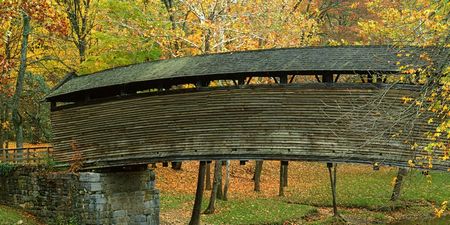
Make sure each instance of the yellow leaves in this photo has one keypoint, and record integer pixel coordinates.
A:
(430, 121)
(411, 163)
(445, 157)
(438, 212)
(406, 99)
(393, 181)
(5, 125)
(419, 103)
(354, 5)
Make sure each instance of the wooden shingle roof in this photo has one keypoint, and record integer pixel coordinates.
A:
(308, 60)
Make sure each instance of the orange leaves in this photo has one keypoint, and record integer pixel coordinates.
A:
(41, 12)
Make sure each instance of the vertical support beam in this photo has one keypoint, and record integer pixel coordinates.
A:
(398, 183)
(241, 81)
(281, 188)
(176, 165)
(87, 97)
(370, 78)
(283, 79)
(285, 171)
(52, 107)
(195, 218)
(333, 186)
(202, 83)
(327, 78)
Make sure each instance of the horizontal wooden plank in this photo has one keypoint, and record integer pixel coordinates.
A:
(277, 122)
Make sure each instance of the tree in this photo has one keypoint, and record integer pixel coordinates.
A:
(227, 181)
(398, 183)
(257, 177)
(208, 176)
(216, 183)
(16, 117)
(24, 12)
(114, 40)
(81, 18)
(418, 23)
(195, 218)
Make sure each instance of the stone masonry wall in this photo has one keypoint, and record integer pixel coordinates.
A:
(127, 198)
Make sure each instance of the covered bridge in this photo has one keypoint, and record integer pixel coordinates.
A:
(330, 104)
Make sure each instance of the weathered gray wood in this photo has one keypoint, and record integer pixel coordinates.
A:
(326, 122)
(234, 65)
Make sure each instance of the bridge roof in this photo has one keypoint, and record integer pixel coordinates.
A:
(307, 60)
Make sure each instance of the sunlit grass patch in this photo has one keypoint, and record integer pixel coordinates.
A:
(257, 211)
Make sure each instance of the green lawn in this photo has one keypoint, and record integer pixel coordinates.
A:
(257, 211)
(241, 211)
(9, 216)
(373, 189)
(363, 197)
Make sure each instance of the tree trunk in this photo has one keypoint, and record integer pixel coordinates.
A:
(82, 49)
(333, 185)
(220, 190)
(208, 176)
(257, 177)
(2, 120)
(227, 181)
(16, 117)
(169, 8)
(195, 218)
(217, 177)
(398, 183)
(281, 188)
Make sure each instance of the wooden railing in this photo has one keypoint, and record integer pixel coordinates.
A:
(33, 155)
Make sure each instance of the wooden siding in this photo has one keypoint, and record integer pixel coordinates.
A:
(355, 123)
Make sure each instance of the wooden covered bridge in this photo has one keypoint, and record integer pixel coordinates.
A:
(329, 104)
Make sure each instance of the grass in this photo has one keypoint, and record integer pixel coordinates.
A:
(170, 202)
(240, 211)
(363, 195)
(9, 216)
(257, 211)
(372, 190)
